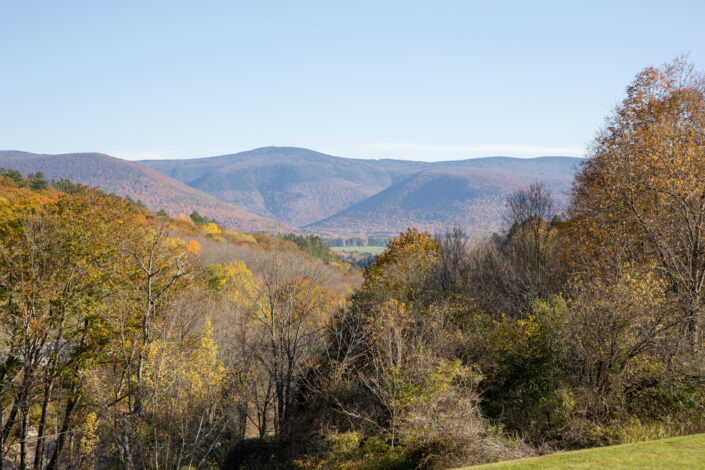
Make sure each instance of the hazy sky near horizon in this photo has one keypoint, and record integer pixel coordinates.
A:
(434, 80)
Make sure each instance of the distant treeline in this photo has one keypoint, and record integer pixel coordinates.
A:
(314, 246)
(37, 181)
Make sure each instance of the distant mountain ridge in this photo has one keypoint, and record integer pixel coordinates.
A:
(298, 186)
(284, 189)
(438, 198)
(123, 177)
(325, 193)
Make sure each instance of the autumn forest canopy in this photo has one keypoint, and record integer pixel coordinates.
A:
(135, 340)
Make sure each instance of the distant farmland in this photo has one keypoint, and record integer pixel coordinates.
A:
(370, 250)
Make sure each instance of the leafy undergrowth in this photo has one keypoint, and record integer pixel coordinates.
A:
(674, 453)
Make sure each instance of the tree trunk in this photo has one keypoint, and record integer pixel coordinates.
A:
(61, 439)
(23, 436)
(125, 447)
(694, 329)
(41, 431)
(12, 416)
(280, 407)
(2, 441)
(242, 418)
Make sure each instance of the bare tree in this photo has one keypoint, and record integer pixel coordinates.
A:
(287, 305)
(508, 271)
(534, 202)
(453, 265)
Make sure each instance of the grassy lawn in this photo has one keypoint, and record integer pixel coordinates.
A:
(678, 452)
(372, 250)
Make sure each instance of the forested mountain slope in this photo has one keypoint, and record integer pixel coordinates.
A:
(122, 177)
(345, 195)
(312, 190)
(298, 186)
(439, 198)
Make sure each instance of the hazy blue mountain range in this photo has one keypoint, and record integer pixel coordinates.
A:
(295, 185)
(279, 188)
(438, 198)
(352, 196)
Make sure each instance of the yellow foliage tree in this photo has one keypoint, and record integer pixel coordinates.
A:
(55, 257)
(400, 270)
(212, 230)
(184, 390)
(641, 194)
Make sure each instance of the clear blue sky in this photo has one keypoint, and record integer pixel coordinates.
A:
(420, 80)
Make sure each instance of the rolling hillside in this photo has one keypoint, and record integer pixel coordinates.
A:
(438, 198)
(343, 195)
(123, 177)
(298, 186)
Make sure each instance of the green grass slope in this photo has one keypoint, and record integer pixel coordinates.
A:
(675, 453)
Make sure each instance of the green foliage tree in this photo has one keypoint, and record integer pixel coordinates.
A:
(67, 186)
(198, 219)
(37, 181)
(526, 375)
(313, 245)
(15, 176)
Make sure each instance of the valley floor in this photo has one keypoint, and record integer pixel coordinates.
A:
(674, 453)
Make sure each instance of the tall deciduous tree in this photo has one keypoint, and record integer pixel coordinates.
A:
(288, 307)
(53, 276)
(641, 194)
(400, 272)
